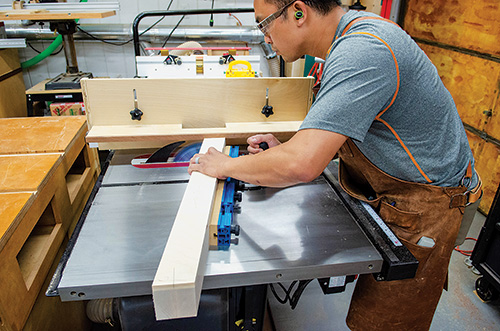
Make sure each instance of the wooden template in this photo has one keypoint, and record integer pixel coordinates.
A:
(179, 278)
(192, 108)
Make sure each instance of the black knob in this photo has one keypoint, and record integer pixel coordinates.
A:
(267, 110)
(235, 229)
(136, 114)
(238, 197)
(264, 145)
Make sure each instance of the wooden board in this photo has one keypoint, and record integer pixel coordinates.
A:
(48, 15)
(178, 280)
(173, 132)
(40, 134)
(214, 217)
(195, 102)
(475, 26)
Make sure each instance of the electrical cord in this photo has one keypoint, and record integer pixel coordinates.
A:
(128, 41)
(39, 52)
(238, 23)
(293, 299)
(465, 252)
(171, 32)
(211, 22)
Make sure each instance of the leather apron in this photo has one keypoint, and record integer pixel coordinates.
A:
(412, 211)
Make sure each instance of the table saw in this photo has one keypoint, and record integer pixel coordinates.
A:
(307, 231)
(304, 232)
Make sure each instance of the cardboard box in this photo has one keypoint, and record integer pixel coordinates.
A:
(67, 109)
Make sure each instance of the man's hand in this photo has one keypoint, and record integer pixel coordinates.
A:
(210, 164)
(254, 141)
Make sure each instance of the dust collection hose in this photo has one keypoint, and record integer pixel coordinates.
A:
(46, 53)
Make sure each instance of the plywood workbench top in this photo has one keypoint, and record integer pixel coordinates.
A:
(26, 173)
(39, 134)
(11, 204)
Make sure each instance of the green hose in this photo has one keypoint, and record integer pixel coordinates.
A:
(46, 53)
(49, 50)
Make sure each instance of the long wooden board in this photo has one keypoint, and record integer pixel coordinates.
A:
(47, 15)
(178, 280)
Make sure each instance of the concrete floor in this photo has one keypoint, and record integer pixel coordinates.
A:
(459, 308)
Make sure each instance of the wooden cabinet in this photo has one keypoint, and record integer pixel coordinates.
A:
(12, 89)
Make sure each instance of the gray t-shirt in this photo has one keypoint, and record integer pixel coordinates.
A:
(420, 137)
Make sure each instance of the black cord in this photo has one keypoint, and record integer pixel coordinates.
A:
(124, 42)
(171, 32)
(103, 40)
(36, 50)
(211, 22)
(287, 292)
(294, 298)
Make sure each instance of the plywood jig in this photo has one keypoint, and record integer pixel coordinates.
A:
(192, 109)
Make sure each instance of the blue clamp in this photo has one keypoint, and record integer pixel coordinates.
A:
(229, 198)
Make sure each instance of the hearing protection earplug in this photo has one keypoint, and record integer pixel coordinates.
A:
(299, 14)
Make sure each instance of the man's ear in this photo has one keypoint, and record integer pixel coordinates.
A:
(300, 12)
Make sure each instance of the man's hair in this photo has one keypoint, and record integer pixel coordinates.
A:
(322, 6)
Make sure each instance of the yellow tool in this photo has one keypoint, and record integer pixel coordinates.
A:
(237, 72)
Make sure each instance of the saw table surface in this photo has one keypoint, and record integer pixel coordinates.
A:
(300, 232)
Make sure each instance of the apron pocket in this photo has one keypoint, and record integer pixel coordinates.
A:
(405, 220)
(421, 253)
(360, 191)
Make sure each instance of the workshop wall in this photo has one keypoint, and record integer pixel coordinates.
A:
(462, 41)
(104, 60)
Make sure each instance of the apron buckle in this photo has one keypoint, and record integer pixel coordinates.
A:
(460, 200)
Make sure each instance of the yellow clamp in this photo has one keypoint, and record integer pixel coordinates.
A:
(235, 72)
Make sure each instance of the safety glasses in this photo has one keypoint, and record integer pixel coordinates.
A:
(264, 24)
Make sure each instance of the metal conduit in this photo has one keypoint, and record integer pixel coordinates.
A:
(121, 32)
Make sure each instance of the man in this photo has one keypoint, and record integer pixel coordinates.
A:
(402, 146)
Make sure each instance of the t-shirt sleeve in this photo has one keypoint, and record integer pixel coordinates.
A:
(359, 81)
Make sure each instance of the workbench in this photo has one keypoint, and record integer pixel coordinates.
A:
(40, 93)
(47, 175)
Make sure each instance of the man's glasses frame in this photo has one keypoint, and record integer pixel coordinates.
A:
(264, 24)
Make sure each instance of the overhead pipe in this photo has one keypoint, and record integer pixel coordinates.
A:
(121, 32)
(156, 13)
